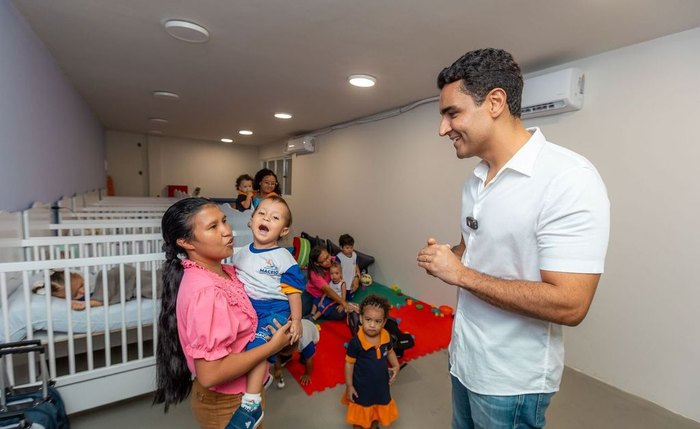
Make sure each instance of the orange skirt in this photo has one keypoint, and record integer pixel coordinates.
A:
(364, 416)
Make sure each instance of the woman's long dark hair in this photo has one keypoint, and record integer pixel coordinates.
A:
(263, 173)
(173, 377)
(313, 260)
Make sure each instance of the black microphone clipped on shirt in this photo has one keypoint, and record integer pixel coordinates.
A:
(472, 223)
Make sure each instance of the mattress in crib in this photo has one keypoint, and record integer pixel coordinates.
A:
(19, 323)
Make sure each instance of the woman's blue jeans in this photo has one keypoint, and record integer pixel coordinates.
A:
(474, 411)
(307, 301)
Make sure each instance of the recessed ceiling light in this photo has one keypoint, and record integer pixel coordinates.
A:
(282, 115)
(156, 132)
(158, 120)
(362, 80)
(186, 31)
(166, 95)
(227, 140)
(245, 132)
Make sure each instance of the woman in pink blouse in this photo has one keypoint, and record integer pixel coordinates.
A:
(206, 319)
(319, 277)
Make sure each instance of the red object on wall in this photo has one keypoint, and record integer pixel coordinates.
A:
(110, 186)
(173, 188)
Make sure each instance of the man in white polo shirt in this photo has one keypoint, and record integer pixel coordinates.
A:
(535, 222)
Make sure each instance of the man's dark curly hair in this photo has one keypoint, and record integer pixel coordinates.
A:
(482, 70)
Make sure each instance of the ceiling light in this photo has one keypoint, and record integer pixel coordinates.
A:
(227, 140)
(186, 31)
(362, 80)
(166, 95)
(245, 132)
(158, 120)
(282, 115)
(157, 132)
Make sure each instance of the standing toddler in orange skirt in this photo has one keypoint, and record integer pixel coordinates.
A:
(371, 367)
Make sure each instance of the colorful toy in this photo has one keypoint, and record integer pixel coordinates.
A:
(302, 249)
(446, 310)
(366, 279)
(409, 301)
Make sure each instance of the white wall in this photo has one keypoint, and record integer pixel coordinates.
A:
(212, 166)
(638, 127)
(394, 183)
(50, 141)
(391, 185)
(127, 163)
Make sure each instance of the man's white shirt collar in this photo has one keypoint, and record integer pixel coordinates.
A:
(524, 159)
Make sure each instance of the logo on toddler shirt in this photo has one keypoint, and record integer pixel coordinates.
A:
(269, 269)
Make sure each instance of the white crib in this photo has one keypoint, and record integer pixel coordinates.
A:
(111, 345)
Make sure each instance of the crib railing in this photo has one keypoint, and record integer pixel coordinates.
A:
(106, 227)
(136, 201)
(83, 246)
(114, 215)
(123, 209)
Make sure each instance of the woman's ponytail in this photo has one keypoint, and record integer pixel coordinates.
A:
(173, 377)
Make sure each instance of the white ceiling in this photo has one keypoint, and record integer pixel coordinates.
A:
(266, 56)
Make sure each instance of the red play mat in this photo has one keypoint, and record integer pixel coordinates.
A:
(431, 333)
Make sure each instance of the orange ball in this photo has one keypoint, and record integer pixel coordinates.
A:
(446, 310)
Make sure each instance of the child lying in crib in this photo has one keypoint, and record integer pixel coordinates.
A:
(77, 286)
(58, 289)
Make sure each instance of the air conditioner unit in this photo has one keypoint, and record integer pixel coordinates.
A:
(303, 144)
(552, 93)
